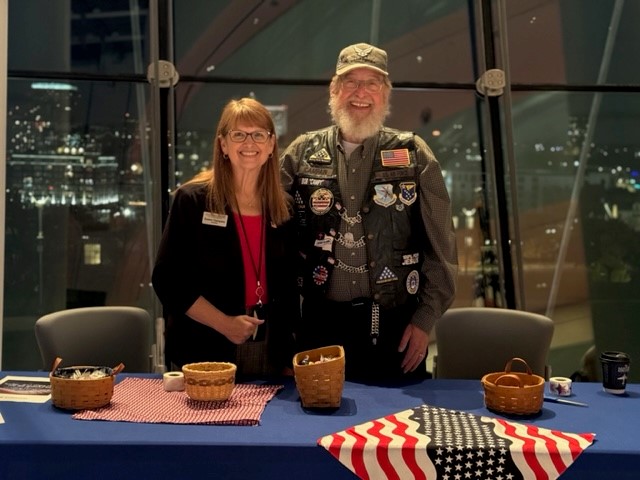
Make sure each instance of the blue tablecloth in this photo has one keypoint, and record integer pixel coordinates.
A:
(40, 441)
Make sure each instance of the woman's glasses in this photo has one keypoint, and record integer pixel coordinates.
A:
(259, 136)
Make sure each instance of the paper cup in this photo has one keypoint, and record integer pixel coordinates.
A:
(615, 371)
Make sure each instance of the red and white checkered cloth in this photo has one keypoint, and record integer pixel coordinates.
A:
(144, 400)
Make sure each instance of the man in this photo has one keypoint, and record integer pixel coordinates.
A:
(378, 253)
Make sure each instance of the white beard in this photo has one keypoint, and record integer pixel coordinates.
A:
(356, 129)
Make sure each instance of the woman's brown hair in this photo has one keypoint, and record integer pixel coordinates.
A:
(221, 187)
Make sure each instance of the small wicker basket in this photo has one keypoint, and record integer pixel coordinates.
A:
(513, 393)
(209, 381)
(320, 384)
(81, 393)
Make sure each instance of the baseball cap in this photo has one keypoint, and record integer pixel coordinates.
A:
(362, 55)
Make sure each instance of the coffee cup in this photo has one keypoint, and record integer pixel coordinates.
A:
(615, 371)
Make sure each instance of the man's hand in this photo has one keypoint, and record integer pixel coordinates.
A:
(414, 343)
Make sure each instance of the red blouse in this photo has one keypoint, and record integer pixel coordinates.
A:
(251, 256)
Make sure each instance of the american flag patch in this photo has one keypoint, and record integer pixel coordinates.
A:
(395, 158)
(430, 443)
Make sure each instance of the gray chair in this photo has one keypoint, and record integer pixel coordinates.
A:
(104, 336)
(474, 341)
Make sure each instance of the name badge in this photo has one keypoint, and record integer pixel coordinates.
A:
(214, 219)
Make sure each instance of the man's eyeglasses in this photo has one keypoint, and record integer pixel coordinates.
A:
(259, 136)
(371, 86)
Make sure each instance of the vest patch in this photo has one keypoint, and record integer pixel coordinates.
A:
(410, 259)
(386, 276)
(324, 243)
(311, 181)
(316, 172)
(384, 195)
(321, 156)
(320, 275)
(321, 201)
(413, 282)
(395, 174)
(395, 158)
(408, 192)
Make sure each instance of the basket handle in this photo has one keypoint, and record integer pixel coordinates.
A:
(117, 369)
(509, 376)
(56, 364)
(507, 367)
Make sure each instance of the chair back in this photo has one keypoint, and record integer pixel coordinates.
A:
(102, 336)
(474, 341)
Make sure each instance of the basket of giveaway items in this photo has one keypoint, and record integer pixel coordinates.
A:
(209, 381)
(319, 375)
(514, 393)
(82, 387)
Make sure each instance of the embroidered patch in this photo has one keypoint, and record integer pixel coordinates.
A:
(410, 259)
(316, 172)
(320, 275)
(384, 195)
(386, 276)
(395, 158)
(321, 156)
(408, 192)
(324, 243)
(413, 282)
(312, 181)
(321, 201)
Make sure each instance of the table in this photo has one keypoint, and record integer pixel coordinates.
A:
(40, 441)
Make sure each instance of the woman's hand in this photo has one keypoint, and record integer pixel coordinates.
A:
(240, 328)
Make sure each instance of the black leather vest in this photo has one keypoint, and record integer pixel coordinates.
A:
(394, 231)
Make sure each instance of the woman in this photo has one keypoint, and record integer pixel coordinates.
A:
(224, 271)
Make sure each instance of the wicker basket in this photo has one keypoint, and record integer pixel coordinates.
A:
(514, 393)
(320, 384)
(83, 393)
(209, 381)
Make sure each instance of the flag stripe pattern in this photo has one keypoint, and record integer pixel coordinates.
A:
(429, 443)
(395, 158)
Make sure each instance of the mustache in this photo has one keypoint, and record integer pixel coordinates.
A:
(353, 127)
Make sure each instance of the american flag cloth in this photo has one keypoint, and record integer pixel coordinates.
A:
(144, 400)
(431, 443)
(395, 158)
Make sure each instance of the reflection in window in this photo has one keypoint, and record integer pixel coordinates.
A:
(92, 254)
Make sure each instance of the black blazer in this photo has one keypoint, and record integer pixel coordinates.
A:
(196, 259)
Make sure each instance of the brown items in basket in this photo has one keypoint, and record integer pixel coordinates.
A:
(514, 393)
(81, 393)
(320, 383)
(209, 381)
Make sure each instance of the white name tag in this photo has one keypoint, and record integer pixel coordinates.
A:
(215, 219)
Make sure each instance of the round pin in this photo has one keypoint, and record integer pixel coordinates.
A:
(320, 275)
(321, 201)
(413, 281)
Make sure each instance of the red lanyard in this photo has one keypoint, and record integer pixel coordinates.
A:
(257, 269)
